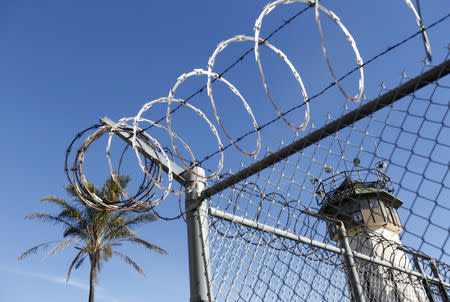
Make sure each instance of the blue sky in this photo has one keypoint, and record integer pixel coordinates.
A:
(67, 63)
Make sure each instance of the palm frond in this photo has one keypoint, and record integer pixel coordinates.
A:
(120, 233)
(130, 261)
(110, 184)
(48, 217)
(80, 262)
(141, 219)
(71, 213)
(71, 191)
(146, 244)
(100, 219)
(75, 231)
(111, 191)
(35, 249)
(72, 264)
(118, 220)
(60, 246)
(56, 200)
(106, 252)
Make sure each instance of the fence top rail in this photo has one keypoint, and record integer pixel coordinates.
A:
(378, 103)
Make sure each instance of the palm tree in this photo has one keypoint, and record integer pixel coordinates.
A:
(94, 234)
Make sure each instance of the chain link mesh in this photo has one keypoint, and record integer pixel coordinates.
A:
(273, 235)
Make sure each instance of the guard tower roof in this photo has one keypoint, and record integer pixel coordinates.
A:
(351, 189)
(354, 185)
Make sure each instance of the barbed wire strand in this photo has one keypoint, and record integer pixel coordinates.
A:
(389, 49)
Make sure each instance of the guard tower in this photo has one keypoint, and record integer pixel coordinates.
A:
(362, 200)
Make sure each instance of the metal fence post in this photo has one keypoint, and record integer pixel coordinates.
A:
(197, 232)
(352, 273)
(442, 287)
(425, 283)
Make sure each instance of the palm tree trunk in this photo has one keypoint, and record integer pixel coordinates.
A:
(92, 281)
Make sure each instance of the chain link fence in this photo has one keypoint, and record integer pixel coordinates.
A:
(355, 210)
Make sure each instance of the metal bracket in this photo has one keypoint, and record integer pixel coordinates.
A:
(149, 152)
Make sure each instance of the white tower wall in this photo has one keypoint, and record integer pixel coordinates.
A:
(380, 283)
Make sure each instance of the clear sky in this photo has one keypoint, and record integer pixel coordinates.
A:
(67, 63)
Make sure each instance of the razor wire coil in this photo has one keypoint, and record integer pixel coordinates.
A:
(78, 179)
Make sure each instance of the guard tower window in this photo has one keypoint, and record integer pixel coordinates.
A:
(378, 215)
(374, 203)
(393, 215)
(385, 212)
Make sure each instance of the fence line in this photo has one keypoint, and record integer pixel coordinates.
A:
(217, 213)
